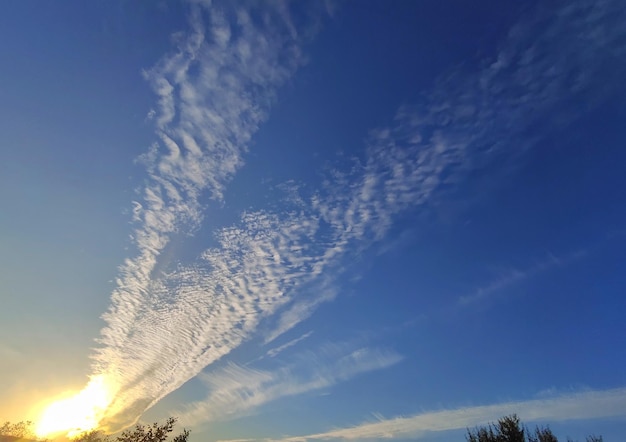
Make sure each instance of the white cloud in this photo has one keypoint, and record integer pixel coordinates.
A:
(583, 405)
(216, 90)
(470, 120)
(213, 93)
(273, 352)
(234, 390)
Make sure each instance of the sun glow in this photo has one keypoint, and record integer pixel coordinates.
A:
(78, 413)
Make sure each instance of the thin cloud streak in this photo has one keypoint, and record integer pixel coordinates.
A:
(516, 276)
(577, 406)
(273, 352)
(235, 390)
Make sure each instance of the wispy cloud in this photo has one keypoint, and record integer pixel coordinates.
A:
(213, 92)
(583, 405)
(234, 390)
(516, 276)
(272, 352)
(277, 267)
(470, 120)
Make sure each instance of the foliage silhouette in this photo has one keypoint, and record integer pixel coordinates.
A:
(509, 429)
(141, 433)
(21, 430)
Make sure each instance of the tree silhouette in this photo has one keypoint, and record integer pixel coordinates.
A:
(141, 433)
(153, 433)
(509, 429)
(156, 432)
(18, 430)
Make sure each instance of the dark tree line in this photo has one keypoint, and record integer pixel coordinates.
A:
(141, 433)
(156, 432)
(509, 429)
(18, 430)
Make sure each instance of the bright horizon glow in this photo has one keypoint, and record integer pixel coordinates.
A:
(78, 413)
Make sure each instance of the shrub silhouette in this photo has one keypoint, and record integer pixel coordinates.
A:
(509, 429)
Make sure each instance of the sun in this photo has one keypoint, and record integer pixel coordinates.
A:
(78, 413)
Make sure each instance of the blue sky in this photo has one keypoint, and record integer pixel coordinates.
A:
(316, 220)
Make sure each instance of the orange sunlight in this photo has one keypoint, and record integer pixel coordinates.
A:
(78, 413)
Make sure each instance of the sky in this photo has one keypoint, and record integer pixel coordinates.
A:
(315, 220)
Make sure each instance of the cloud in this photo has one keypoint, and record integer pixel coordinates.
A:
(516, 276)
(213, 92)
(234, 390)
(277, 267)
(469, 121)
(199, 313)
(576, 406)
(273, 352)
